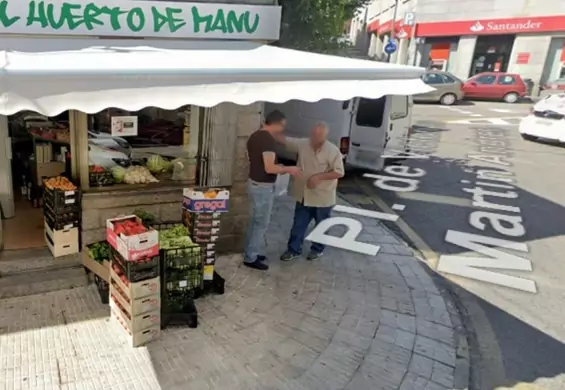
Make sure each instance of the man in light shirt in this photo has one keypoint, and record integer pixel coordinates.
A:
(314, 191)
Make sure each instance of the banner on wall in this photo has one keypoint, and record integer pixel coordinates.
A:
(140, 19)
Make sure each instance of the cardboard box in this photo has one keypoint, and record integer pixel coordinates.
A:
(133, 247)
(102, 270)
(49, 169)
(61, 242)
(204, 239)
(208, 272)
(136, 323)
(137, 290)
(210, 200)
(137, 339)
(135, 307)
(210, 257)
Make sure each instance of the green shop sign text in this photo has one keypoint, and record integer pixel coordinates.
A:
(67, 16)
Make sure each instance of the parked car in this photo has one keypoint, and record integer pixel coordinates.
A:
(495, 85)
(448, 88)
(557, 84)
(546, 121)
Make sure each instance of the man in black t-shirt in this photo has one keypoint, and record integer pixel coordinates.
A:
(263, 171)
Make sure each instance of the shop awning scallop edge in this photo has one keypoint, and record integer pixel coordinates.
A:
(132, 78)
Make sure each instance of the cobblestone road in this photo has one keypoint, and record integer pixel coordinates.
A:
(347, 321)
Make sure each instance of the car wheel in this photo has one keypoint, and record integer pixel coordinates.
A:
(511, 97)
(528, 137)
(448, 99)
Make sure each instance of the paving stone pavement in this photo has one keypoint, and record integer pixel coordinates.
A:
(347, 321)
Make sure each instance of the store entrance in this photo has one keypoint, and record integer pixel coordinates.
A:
(492, 54)
(40, 148)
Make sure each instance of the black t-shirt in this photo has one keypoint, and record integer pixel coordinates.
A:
(258, 143)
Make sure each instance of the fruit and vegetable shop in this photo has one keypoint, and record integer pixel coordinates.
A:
(123, 132)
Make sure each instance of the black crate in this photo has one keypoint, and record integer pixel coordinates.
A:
(58, 202)
(214, 286)
(136, 271)
(178, 309)
(103, 289)
(65, 220)
(101, 179)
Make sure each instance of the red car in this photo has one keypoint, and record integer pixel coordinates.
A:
(500, 86)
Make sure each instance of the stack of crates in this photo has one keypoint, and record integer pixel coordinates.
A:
(135, 286)
(181, 281)
(202, 211)
(61, 210)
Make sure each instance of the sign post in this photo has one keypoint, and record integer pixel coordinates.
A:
(392, 32)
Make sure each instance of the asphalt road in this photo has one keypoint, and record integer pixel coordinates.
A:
(514, 298)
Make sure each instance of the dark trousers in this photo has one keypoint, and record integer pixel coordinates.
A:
(303, 215)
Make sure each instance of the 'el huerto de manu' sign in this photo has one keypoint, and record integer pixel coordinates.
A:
(139, 19)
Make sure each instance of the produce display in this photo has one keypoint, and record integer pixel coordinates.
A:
(99, 176)
(177, 237)
(57, 132)
(157, 164)
(99, 251)
(59, 183)
(146, 218)
(138, 175)
(129, 227)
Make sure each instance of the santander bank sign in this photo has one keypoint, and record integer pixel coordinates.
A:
(505, 27)
(492, 26)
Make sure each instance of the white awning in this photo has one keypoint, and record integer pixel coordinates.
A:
(207, 74)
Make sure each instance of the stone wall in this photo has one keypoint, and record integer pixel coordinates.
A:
(165, 203)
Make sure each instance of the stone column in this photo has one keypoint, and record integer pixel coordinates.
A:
(234, 223)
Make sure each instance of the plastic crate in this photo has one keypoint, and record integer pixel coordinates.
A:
(178, 309)
(100, 179)
(136, 271)
(59, 221)
(59, 200)
(103, 289)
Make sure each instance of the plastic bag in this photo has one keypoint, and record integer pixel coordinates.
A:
(281, 185)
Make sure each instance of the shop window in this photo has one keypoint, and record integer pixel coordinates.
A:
(370, 112)
(506, 80)
(485, 80)
(147, 147)
(432, 78)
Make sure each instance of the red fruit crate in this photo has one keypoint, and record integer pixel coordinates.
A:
(131, 238)
(135, 271)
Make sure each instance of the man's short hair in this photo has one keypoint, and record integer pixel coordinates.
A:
(274, 117)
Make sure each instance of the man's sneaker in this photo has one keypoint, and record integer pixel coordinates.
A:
(257, 264)
(288, 256)
(314, 256)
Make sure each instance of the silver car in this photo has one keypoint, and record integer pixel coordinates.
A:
(448, 88)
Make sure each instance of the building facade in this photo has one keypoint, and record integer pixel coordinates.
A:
(466, 38)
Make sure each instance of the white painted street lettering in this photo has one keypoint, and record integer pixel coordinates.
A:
(471, 267)
(349, 239)
(505, 224)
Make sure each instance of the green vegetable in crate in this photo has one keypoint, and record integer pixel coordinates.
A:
(146, 218)
(99, 251)
(119, 174)
(157, 164)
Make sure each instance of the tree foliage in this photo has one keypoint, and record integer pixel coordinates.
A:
(316, 25)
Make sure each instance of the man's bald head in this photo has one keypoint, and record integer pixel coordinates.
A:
(318, 134)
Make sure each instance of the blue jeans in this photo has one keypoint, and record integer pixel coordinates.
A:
(303, 215)
(261, 197)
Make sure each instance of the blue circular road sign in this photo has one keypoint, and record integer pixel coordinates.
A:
(390, 47)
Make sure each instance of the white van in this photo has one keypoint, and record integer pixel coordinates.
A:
(364, 129)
